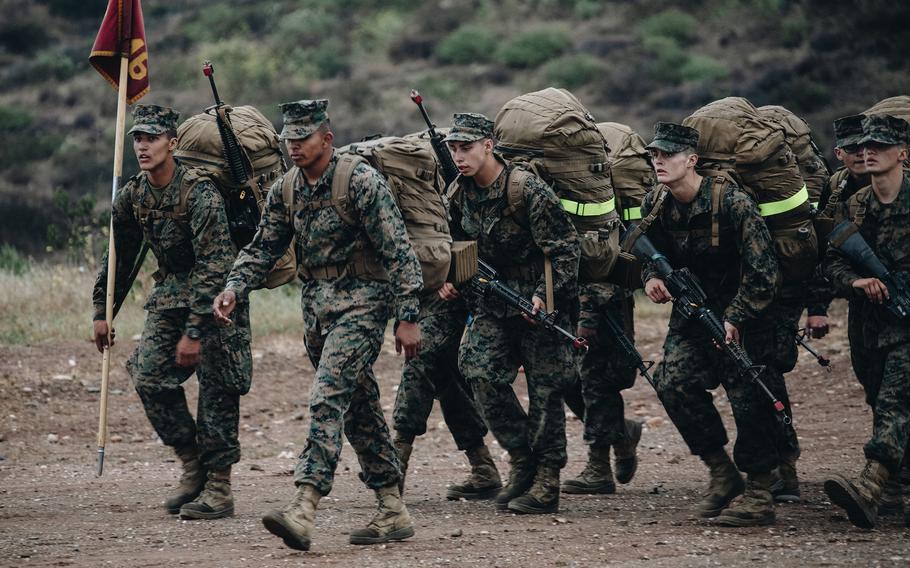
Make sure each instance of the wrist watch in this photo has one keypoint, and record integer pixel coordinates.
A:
(194, 333)
(410, 317)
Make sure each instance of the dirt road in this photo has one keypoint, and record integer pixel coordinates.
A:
(55, 512)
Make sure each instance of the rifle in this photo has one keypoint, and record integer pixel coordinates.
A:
(137, 266)
(446, 163)
(628, 348)
(242, 206)
(487, 281)
(690, 300)
(846, 238)
(801, 336)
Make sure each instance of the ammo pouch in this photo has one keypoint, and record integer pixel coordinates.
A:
(599, 253)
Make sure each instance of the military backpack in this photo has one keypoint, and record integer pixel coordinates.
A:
(812, 165)
(898, 106)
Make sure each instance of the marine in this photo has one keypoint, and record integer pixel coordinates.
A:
(181, 215)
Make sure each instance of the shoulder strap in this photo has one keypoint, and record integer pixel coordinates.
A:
(341, 183)
(857, 209)
(515, 184)
(288, 183)
(641, 228)
(718, 187)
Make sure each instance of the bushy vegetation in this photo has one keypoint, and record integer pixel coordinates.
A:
(534, 47)
(470, 43)
(573, 71)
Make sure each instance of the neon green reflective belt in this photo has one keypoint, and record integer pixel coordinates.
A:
(784, 205)
(588, 209)
(815, 204)
(631, 214)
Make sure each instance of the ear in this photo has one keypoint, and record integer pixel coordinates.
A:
(488, 145)
(904, 152)
(327, 138)
(172, 144)
(692, 160)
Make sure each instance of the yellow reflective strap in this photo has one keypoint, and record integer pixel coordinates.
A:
(631, 214)
(784, 205)
(815, 204)
(588, 209)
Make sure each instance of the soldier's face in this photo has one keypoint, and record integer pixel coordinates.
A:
(853, 158)
(152, 150)
(883, 158)
(305, 152)
(671, 168)
(470, 157)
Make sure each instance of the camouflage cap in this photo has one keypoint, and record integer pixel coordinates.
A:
(848, 130)
(673, 138)
(154, 119)
(302, 118)
(885, 129)
(468, 127)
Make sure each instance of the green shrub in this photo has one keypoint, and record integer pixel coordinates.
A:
(702, 68)
(330, 58)
(14, 120)
(217, 22)
(794, 29)
(20, 142)
(585, 9)
(468, 44)
(532, 48)
(13, 261)
(572, 71)
(673, 23)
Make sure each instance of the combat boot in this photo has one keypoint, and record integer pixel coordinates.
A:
(391, 522)
(483, 482)
(294, 524)
(191, 482)
(597, 476)
(784, 483)
(543, 496)
(625, 453)
(725, 484)
(892, 502)
(215, 501)
(753, 508)
(859, 500)
(521, 476)
(404, 446)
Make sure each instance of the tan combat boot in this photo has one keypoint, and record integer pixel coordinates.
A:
(294, 524)
(597, 476)
(483, 482)
(403, 446)
(543, 496)
(191, 482)
(215, 501)
(784, 483)
(391, 522)
(625, 452)
(753, 508)
(521, 476)
(860, 500)
(892, 502)
(725, 484)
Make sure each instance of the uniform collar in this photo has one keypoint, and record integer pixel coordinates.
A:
(170, 194)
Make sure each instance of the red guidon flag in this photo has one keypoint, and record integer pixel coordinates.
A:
(122, 34)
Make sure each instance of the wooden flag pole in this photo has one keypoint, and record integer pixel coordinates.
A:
(112, 260)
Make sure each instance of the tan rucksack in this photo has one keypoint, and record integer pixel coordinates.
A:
(812, 166)
(630, 168)
(413, 177)
(735, 139)
(199, 145)
(898, 106)
(554, 136)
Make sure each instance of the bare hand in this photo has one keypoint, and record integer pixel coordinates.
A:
(407, 337)
(817, 326)
(538, 306)
(448, 292)
(188, 352)
(874, 289)
(656, 290)
(732, 332)
(100, 335)
(223, 306)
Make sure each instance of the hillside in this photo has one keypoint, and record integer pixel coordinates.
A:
(635, 61)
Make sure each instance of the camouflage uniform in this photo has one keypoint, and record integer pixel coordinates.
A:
(194, 252)
(347, 299)
(740, 279)
(498, 340)
(434, 374)
(879, 341)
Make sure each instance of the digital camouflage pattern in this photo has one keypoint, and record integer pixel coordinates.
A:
(740, 278)
(344, 318)
(302, 118)
(848, 130)
(154, 119)
(195, 254)
(673, 138)
(224, 373)
(469, 127)
(499, 341)
(885, 129)
(434, 374)
(879, 341)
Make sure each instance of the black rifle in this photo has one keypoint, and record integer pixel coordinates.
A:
(446, 163)
(487, 281)
(801, 336)
(628, 348)
(846, 238)
(690, 300)
(242, 207)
